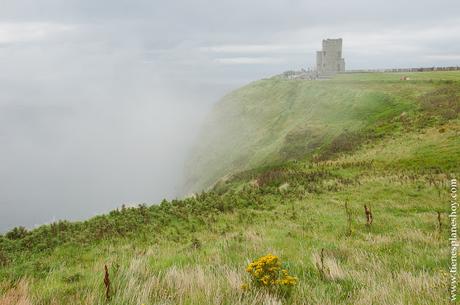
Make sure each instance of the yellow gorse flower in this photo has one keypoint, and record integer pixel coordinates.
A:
(266, 271)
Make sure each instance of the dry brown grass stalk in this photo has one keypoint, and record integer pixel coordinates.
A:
(369, 216)
(106, 282)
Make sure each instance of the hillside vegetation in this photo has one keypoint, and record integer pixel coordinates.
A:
(274, 120)
(288, 167)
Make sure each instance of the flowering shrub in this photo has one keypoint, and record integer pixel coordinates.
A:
(266, 271)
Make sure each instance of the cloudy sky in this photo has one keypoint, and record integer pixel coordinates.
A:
(100, 100)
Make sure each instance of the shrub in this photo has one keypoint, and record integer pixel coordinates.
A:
(300, 142)
(17, 233)
(273, 177)
(345, 142)
(267, 271)
(444, 101)
(3, 259)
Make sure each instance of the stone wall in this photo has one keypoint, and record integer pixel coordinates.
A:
(312, 74)
(426, 69)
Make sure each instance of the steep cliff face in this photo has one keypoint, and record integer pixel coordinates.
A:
(274, 120)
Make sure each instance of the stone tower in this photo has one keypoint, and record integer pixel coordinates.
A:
(329, 60)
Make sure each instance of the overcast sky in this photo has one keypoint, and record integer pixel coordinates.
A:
(100, 100)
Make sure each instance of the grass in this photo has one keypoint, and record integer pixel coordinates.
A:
(195, 250)
(402, 247)
(263, 122)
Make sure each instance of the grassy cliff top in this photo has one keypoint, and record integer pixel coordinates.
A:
(274, 120)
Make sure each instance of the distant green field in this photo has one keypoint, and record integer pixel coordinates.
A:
(300, 162)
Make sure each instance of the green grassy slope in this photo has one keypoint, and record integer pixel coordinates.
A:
(273, 120)
(195, 251)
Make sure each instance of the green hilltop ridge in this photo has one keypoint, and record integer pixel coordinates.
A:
(274, 120)
(288, 166)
